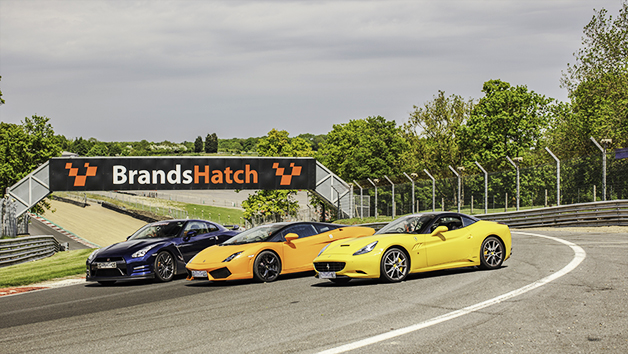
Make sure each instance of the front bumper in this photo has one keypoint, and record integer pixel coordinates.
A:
(364, 266)
(122, 271)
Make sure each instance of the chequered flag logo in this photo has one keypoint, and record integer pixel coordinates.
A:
(79, 181)
(287, 179)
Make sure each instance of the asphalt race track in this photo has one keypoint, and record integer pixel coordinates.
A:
(582, 311)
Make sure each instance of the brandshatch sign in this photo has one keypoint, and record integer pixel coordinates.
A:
(167, 173)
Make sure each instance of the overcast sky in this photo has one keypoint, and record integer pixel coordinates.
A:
(174, 70)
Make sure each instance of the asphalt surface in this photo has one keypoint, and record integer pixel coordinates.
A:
(36, 227)
(584, 311)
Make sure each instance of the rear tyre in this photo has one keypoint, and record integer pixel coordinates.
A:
(394, 266)
(164, 267)
(267, 267)
(491, 253)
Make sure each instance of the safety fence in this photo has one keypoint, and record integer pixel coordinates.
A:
(582, 180)
(25, 249)
(10, 225)
(586, 214)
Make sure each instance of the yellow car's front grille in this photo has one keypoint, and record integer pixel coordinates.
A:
(329, 266)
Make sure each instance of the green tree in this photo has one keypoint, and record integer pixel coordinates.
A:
(363, 148)
(276, 202)
(432, 132)
(598, 88)
(23, 148)
(198, 144)
(507, 121)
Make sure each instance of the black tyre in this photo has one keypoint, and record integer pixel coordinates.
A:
(340, 281)
(395, 265)
(165, 266)
(106, 283)
(267, 267)
(491, 253)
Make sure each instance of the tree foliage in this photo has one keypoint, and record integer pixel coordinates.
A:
(432, 132)
(24, 147)
(507, 121)
(198, 144)
(276, 202)
(363, 148)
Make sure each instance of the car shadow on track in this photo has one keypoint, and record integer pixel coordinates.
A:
(229, 283)
(131, 282)
(410, 277)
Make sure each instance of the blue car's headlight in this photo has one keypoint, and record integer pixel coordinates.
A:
(232, 256)
(142, 252)
(366, 249)
(92, 256)
(324, 248)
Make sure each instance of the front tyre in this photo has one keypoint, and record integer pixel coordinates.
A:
(394, 266)
(164, 266)
(491, 253)
(267, 267)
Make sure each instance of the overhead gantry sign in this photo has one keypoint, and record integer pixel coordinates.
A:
(181, 173)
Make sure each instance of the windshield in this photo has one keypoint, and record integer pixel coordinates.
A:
(406, 225)
(257, 234)
(158, 230)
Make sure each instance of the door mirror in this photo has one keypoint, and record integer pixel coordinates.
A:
(439, 230)
(189, 234)
(291, 237)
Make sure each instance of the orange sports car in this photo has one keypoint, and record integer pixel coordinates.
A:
(264, 252)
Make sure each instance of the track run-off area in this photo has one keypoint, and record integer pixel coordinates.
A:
(562, 291)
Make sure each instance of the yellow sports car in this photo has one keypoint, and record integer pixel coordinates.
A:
(264, 252)
(416, 243)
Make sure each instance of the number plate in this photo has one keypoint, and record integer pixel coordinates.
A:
(106, 265)
(327, 275)
(199, 273)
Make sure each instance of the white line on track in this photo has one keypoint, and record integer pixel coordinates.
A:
(579, 256)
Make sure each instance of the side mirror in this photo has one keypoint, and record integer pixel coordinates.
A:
(291, 237)
(439, 230)
(189, 234)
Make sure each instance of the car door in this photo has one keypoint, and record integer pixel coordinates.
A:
(449, 246)
(298, 254)
(197, 235)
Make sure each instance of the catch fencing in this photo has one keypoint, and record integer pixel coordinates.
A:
(26, 249)
(10, 225)
(581, 181)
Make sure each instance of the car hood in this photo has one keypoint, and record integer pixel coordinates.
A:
(351, 245)
(129, 247)
(218, 253)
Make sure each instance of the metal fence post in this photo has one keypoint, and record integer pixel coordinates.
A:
(603, 149)
(361, 202)
(393, 195)
(485, 187)
(457, 175)
(411, 180)
(516, 165)
(375, 196)
(557, 176)
(433, 190)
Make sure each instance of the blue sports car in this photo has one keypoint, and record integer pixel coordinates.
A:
(158, 250)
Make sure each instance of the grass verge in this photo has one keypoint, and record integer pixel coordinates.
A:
(62, 264)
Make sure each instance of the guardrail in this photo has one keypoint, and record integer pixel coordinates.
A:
(25, 249)
(614, 212)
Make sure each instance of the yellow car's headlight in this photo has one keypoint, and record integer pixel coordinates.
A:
(366, 249)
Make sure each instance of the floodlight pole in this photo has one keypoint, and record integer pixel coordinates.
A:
(603, 149)
(557, 175)
(411, 180)
(485, 187)
(375, 196)
(516, 166)
(457, 175)
(361, 202)
(433, 190)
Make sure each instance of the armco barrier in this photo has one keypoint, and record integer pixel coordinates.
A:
(25, 249)
(606, 213)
